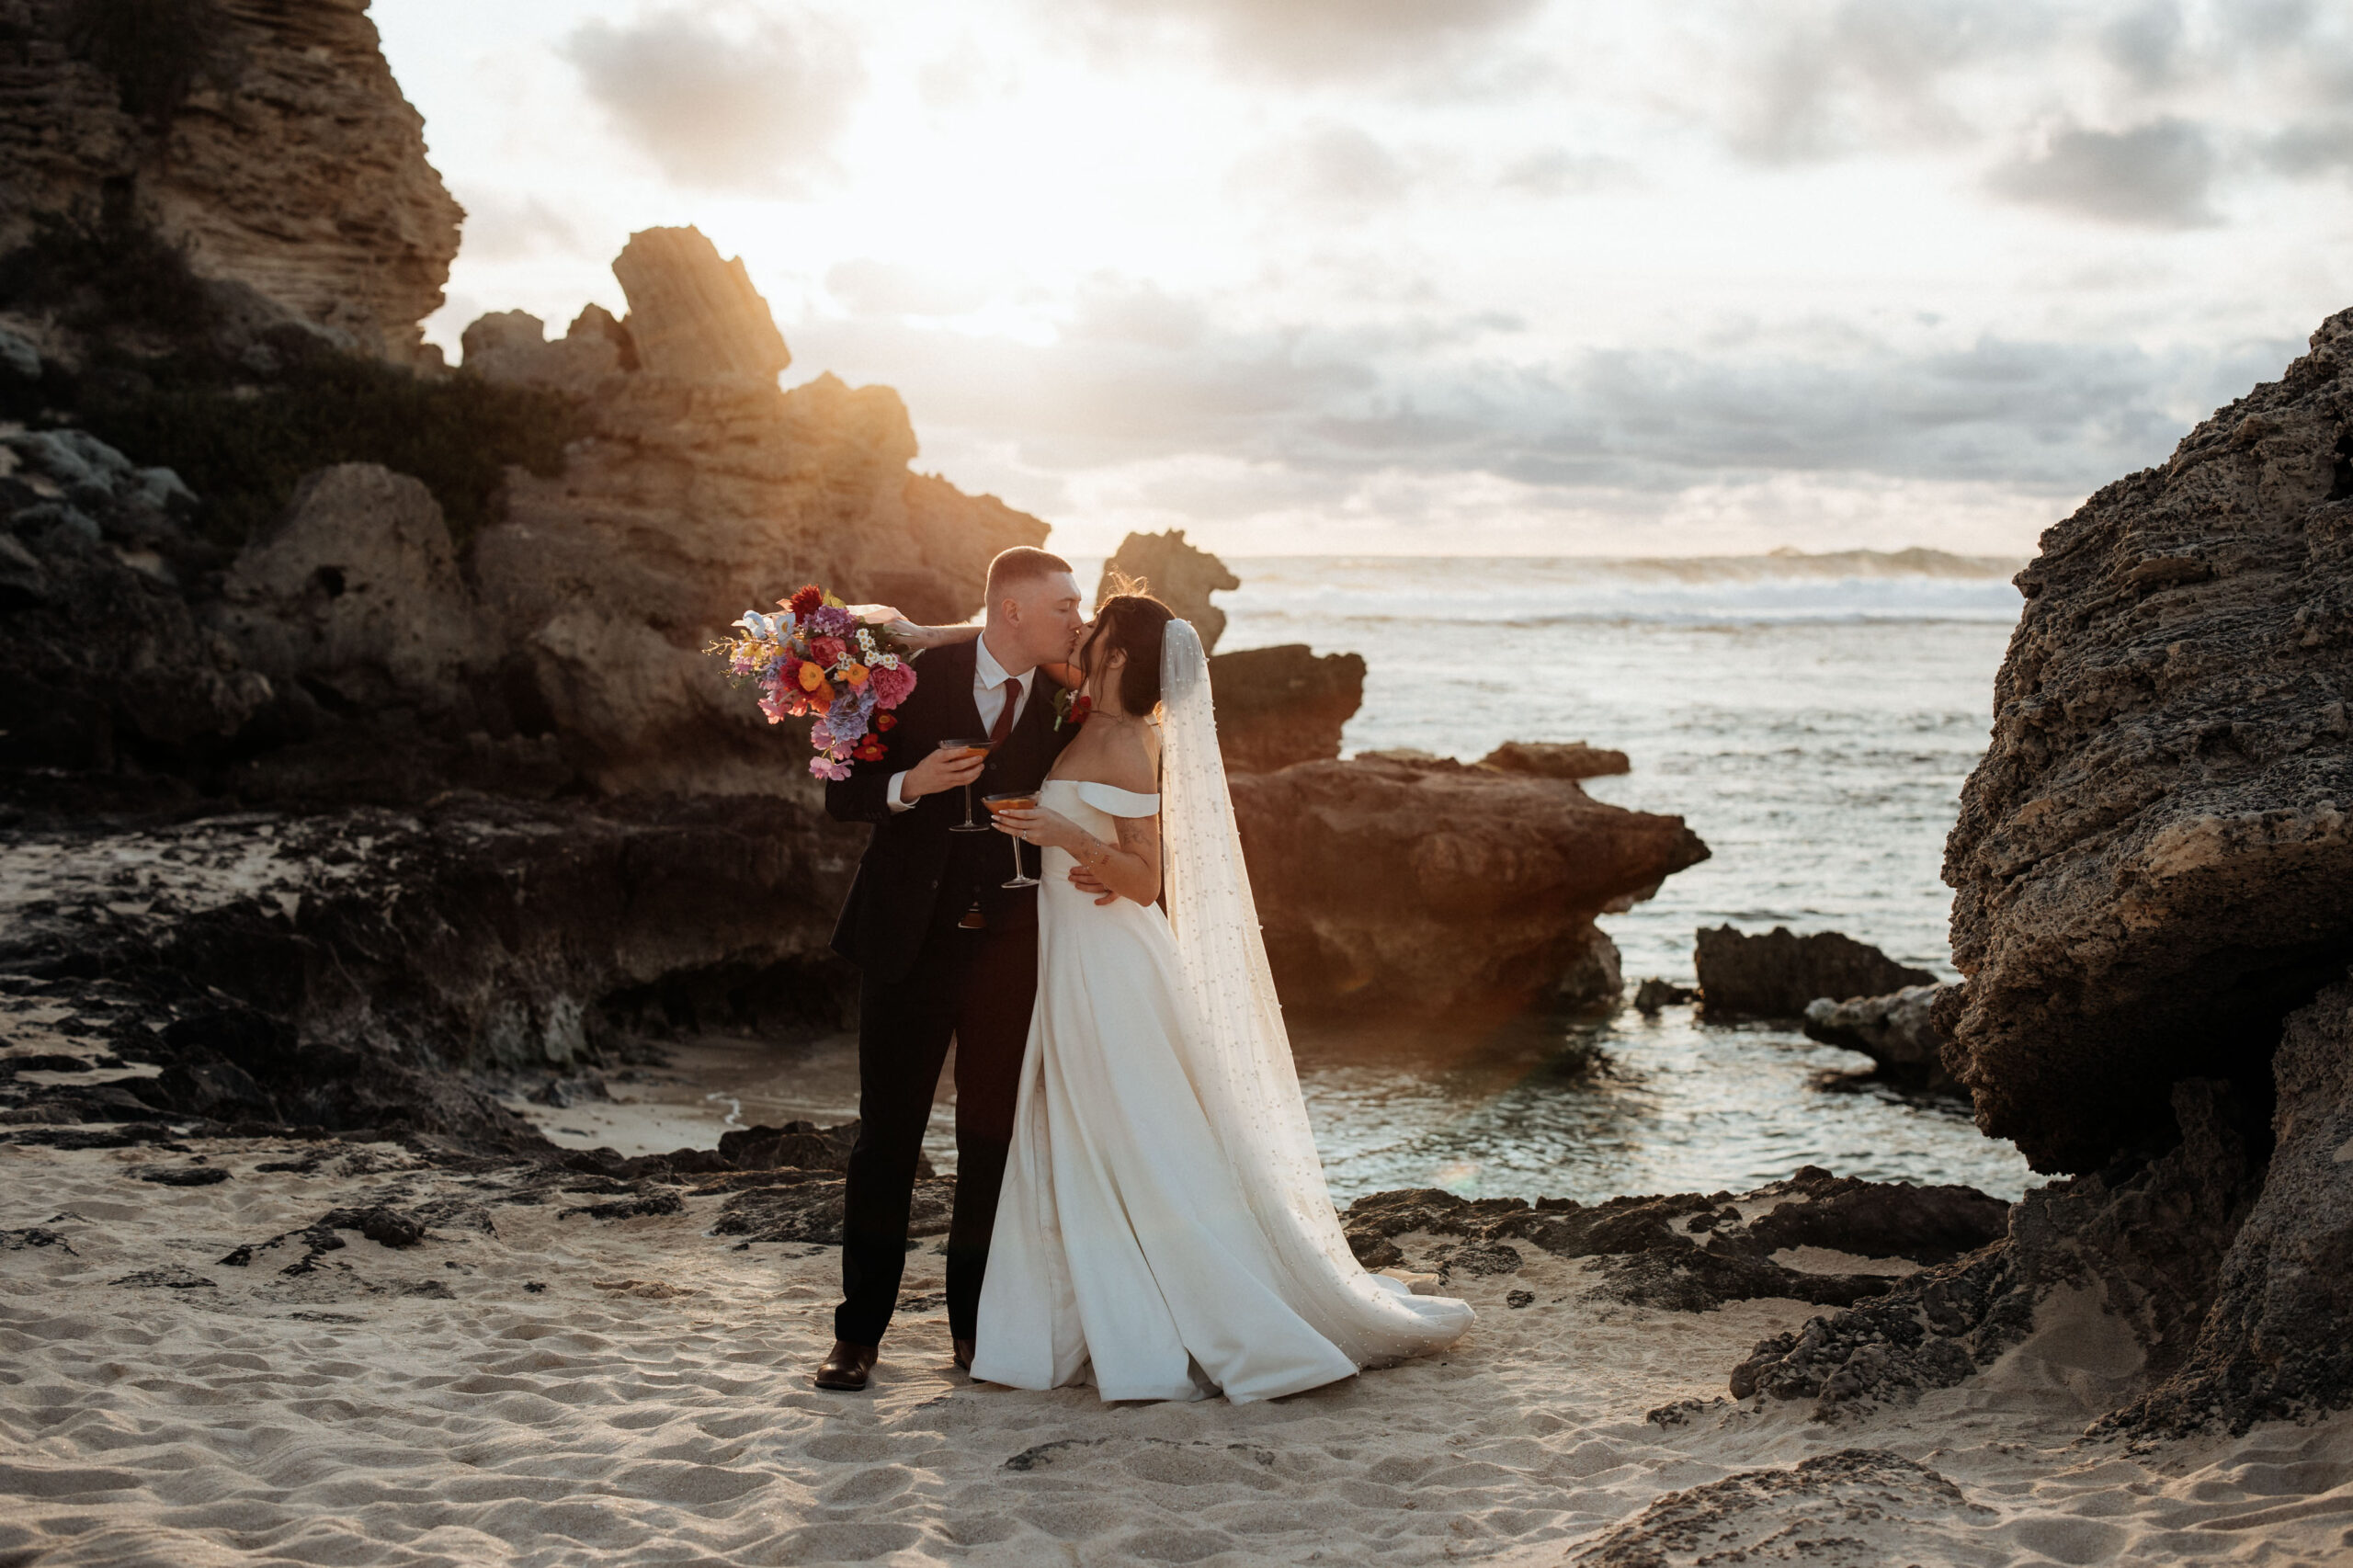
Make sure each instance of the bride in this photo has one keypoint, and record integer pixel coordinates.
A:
(1164, 1231)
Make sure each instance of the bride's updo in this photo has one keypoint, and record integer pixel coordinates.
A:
(1131, 623)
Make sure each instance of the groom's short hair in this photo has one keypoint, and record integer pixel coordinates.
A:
(1021, 564)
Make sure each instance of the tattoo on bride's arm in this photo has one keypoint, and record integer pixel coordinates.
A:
(1139, 836)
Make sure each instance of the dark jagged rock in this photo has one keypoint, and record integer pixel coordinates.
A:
(380, 1224)
(2146, 1239)
(1878, 1219)
(811, 1210)
(1692, 1251)
(1854, 1509)
(1417, 888)
(1181, 576)
(182, 1175)
(1654, 994)
(2275, 1342)
(629, 1207)
(1898, 1032)
(173, 1279)
(35, 1236)
(1774, 975)
(1281, 705)
(2151, 865)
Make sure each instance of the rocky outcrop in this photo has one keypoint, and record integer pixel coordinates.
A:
(693, 317)
(2274, 1345)
(1281, 705)
(1176, 573)
(1774, 975)
(1898, 1032)
(2153, 865)
(1553, 760)
(269, 141)
(697, 492)
(1426, 888)
(1854, 1508)
(2143, 1244)
(330, 969)
(1690, 1252)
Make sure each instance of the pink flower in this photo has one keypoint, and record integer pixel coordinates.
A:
(776, 711)
(891, 684)
(826, 650)
(827, 768)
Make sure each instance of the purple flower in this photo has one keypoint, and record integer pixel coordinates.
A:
(830, 621)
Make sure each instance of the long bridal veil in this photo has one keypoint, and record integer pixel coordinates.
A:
(1241, 1063)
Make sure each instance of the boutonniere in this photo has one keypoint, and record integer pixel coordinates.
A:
(1072, 706)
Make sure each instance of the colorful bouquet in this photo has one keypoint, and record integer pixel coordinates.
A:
(822, 656)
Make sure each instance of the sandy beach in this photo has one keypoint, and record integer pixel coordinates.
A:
(524, 1387)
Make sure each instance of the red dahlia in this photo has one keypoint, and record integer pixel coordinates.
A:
(807, 599)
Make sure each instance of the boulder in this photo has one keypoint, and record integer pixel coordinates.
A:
(693, 317)
(2153, 865)
(1424, 889)
(357, 594)
(1850, 1509)
(1776, 975)
(1897, 1031)
(1280, 705)
(1177, 574)
(512, 347)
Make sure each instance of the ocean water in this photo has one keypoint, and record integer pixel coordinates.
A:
(1812, 721)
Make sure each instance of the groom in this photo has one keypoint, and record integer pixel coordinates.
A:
(944, 949)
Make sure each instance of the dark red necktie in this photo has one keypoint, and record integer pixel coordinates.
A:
(1003, 725)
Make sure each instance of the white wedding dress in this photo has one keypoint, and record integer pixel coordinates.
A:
(1164, 1231)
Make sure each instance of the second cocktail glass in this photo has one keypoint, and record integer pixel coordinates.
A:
(1017, 800)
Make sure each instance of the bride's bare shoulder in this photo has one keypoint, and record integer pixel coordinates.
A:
(1130, 759)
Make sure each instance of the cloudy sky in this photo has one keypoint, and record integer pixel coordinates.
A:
(1451, 275)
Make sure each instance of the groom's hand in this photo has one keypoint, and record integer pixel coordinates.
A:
(1085, 881)
(941, 771)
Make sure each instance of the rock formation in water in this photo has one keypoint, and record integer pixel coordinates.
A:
(1774, 975)
(1897, 1031)
(1400, 887)
(1285, 704)
(1556, 759)
(1179, 575)
(269, 141)
(2153, 865)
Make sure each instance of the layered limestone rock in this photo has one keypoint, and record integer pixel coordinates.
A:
(1410, 889)
(269, 141)
(701, 491)
(693, 317)
(1179, 575)
(2153, 863)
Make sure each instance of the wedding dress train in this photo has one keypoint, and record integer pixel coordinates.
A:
(1164, 1230)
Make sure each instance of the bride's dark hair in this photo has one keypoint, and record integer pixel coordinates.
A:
(1130, 622)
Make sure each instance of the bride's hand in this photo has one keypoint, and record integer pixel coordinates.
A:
(1039, 826)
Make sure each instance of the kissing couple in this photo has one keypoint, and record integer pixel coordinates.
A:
(1139, 1201)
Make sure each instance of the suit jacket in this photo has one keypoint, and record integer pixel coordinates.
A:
(894, 902)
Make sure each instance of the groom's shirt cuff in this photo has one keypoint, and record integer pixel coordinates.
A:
(892, 797)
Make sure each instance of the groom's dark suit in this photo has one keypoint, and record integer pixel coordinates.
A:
(929, 974)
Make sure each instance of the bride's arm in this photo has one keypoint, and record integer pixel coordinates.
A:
(1130, 868)
(907, 633)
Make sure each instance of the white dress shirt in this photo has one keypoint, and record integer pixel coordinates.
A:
(988, 696)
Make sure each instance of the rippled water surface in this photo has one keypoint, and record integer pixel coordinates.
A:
(1814, 730)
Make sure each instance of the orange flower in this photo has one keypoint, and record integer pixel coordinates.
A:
(812, 675)
(854, 672)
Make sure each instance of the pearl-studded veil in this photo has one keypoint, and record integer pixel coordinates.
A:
(1239, 1059)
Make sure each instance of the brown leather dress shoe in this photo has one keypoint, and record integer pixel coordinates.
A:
(963, 1353)
(847, 1366)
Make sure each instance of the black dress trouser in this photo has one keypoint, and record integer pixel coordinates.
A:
(975, 988)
